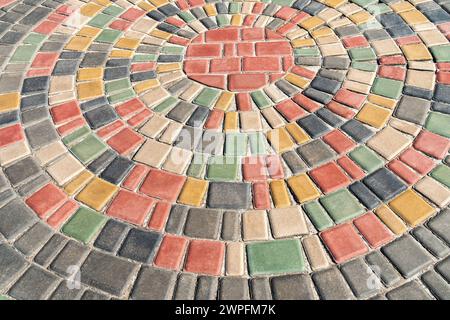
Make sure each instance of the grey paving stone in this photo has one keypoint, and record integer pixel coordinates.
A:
(207, 288)
(231, 226)
(340, 63)
(361, 279)
(331, 285)
(293, 287)
(35, 115)
(364, 195)
(355, 129)
(35, 184)
(442, 93)
(117, 170)
(234, 288)
(229, 195)
(92, 295)
(100, 116)
(317, 95)
(294, 162)
(50, 250)
(33, 239)
(94, 59)
(176, 219)
(325, 84)
(107, 273)
(443, 268)
(11, 265)
(140, 245)
(383, 269)
(154, 284)
(409, 291)
(185, 289)
(36, 84)
(22, 170)
(412, 109)
(181, 112)
(34, 284)
(261, 289)
(329, 117)
(198, 117)
(286, 87)
(188, 138)
(15, 218)
(111, 236)
(430, 242)
(437, 285)
(65, 292)
(313, 125)
(440, 224)
(33, 101)
(65, 67)
(384, 184)
(315, 152)
(203, 223)
(102, 161)
(72, 255)
(41, 134)
(407, 255)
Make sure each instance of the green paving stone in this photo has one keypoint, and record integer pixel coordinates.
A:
(24, 53)
(441, 53)
(274, 257)
(108, 36)
(222, 168)
(113, 10)
(165, 105)
(173, 50)
(438, 123)
(365, 3)
(222, 20)
(117, 85)
(236, 144)
(260, 99)
(307, 52)
(4, 298)
(387, 88)
(257, 143)
(365, 66)
(379, 8)
(206, 97)
(84, 224)
(234, 7)
(362, 54)
(34, 38)
(366, 159)
(121, 96)
(342, 205)
(76, 135)
(88, 149)
(198, 165)
(372, 24)
(318, 216)
(286, 3)
(442, 174)
(186, 16)
(145, 57)
(100, 20)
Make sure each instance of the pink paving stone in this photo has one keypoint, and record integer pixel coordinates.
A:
(373, 230)
(432, 144)
(204, 50)
(46, 200)
(215, 119)
(261, 64)
(140, 117)
(254, 169)
(129, 107)
(305, 102)
(244, 102)
(245, 49)
(159, 216)
(353, 42)
(351, 168)
(110, 129)
(162, 185)
(443, 77)
(196, 66)
(350, 98)
(130, 207)
(283, 30)
(222, 35)
(225, 65)
(286, 13)
(65, 112)
(171, 252)
(56, 17)
(393, 60)
(179, 40)
(329, 177)
(343, 242)
(39, 72)
(71, 126)
(248, 81)
(303, 72)
(404, 172)
(143, 66)
(339, 141)
(272, 35)
(261, 195)
(216, 81)
(249, 20)
(46, 27)
(258, 7)
(418, 161)
(205, 257)
(125, 141)
(253, 34)
(176, 22)
(121, 25)
(11, 134)
(62, 214)
(44, 60)
(290, 110)
(132, 14)
(274, 166)
(341, 110)
(135, 177)
(408, 40)
(392, 72)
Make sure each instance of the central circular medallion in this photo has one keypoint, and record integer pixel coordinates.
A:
(238, 59)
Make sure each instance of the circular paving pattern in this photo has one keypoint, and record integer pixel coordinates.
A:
(224, 150)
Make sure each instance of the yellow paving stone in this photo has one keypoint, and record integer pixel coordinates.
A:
(297, 80)
(90, 89)
(121, 54)
(90, 74)
(335, 3)
(303, 188)
(311, 23)
(210, 9)
(160, 34)
(146, 6)
(298, 43)
(89, 32)
(413, 17)
(382, 101)
(78, 43)
(158, 3)
(390, 219)
(322, 32)
(224, 101)
(168, 67)
(193, 192)
(402, 6)
(91, 9)
(361, 17)
(97, 193)
(297, 133)
(104, 3)
(79, 182)
(127, 43)
(373, 115)
(9, 101)
(416, 51)
(231, 122)
(146, 85)
(280, 140)
(236, 20)
(411, 207)
(280, 194)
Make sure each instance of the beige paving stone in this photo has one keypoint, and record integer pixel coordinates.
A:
(235, 259)
(62, 84)
(335, 49)
(50, 152)
(152, 153)
(385, 47)
(250, 121)
(315, 253)
(389, 142)
(255, 225)
(357, 75)
(273, 117)
(421, 79)
(178, 160)
(13, 152)
(65, 169)
(434, 191)
(171, 132)
(287, 222)
(404, 126)
(154, 126)
(432, 37)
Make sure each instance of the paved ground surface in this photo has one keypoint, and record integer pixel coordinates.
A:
(224, 150)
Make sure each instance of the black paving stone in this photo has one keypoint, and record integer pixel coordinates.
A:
(384, 184)
(140, 245)
(229, 195)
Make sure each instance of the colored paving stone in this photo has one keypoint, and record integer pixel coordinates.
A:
(194, 150)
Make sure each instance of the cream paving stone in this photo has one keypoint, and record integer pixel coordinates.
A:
(177, 160)
(14, 152)
(250, 121)
(389, 142)
(421, 79)
(287, 222)
(315, 252)
(65, 169)
(152, 153)
(50, 152)
(254, 225)
(433, 190)
(235, 259)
